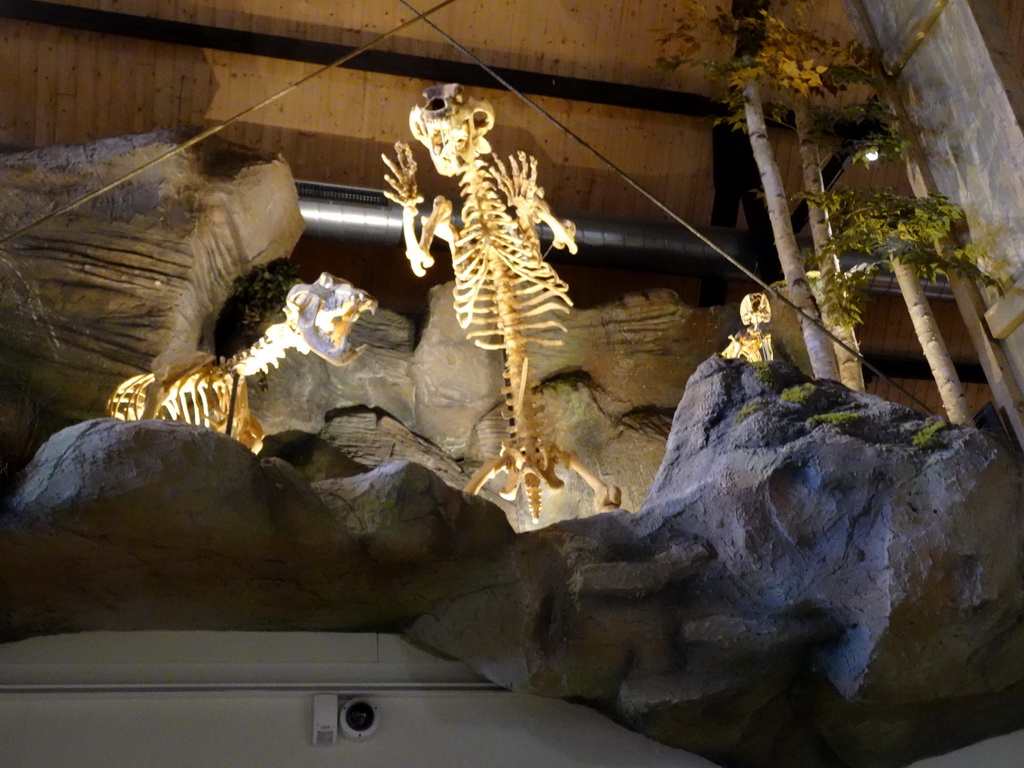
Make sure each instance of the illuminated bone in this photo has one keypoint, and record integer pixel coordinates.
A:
(752, 345)
(506, 295)
(199, 395)
(198, 389)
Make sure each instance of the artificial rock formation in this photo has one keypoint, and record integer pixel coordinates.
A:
(137, 277)
(137, 274)
(609, 392)
(818, 578)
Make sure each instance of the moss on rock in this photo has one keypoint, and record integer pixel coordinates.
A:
(834, 419)
(798, 394)
(926, 437)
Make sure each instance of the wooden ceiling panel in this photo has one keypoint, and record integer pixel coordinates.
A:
(66, 86)
(596, 39)
(84, 86)
(925, 391)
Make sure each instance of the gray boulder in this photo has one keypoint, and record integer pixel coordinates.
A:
(818, 578)
(607, 393)
(136, 525)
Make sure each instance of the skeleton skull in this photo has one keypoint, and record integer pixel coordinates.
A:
(755, 309)
(452, 126)
(323, 314)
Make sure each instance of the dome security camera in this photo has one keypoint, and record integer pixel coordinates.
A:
(358, 719)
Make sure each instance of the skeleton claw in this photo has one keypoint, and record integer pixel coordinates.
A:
(404, 180)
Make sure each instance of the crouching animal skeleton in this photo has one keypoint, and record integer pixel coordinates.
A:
(504, 291)
(199, 389)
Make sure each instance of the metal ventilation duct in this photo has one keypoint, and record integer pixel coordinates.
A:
(356, 215)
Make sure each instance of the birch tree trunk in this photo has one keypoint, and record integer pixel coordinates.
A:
(850, 371)
(950, 389)
(819, 346)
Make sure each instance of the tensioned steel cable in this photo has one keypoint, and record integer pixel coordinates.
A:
(208, 132)
(663, 207)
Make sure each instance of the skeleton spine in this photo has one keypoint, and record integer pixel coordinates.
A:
(487, 233)
(496, 273)
(265, 353)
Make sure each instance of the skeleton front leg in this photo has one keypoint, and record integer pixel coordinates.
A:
(606, 497)
(519, 183)
(437, 224)
(563, 231)
(403, 182)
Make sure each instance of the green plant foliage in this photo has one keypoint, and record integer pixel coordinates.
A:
(844, 299)
(776, 49)
(256, 300)
(764, 374)
(835, 419)
(859, 128)
(890, 227)
(798, 394)
(926, 436)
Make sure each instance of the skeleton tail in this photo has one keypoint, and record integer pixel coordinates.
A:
(533, 496)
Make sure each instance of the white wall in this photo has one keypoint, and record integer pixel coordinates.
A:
(221, 700)
(244, 700)
(268, 730)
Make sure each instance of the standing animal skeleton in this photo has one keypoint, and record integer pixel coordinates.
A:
(199, 389)
(504, 291)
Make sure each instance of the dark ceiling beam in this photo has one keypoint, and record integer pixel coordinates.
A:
(735, 173)
(736, 181)
(917, 368)
(733, 167)
(380, 62)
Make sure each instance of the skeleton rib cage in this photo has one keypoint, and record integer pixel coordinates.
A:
(197, 398)
(504, 296)
(502, 285)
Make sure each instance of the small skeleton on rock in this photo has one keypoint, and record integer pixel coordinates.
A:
(202, 390)
(752, 345)
(504, 290)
